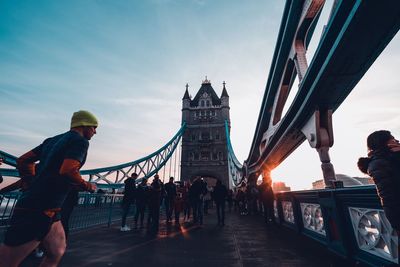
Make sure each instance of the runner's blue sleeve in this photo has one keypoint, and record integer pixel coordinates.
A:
(77, 150)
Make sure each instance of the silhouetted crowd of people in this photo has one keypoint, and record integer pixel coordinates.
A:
(191, 201)
(251, 199)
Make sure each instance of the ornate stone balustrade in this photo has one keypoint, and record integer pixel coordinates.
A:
(374, 233)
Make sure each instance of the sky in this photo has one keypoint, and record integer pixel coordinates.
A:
(128, 62)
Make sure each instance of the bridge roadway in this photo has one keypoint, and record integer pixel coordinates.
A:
(243, 241)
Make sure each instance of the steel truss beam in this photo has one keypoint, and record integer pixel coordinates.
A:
(355, 35)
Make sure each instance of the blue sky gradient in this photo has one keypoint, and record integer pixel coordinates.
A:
(128, 62)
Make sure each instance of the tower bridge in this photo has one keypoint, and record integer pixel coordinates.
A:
(204, 143)
(349, 222)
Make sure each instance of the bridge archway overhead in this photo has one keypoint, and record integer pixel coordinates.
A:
(115, 175)
(355, 35)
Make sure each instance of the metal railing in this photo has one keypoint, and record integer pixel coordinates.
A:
(92, 210)
(96, 209)
(349, 221)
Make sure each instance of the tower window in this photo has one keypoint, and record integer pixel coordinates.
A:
(202, 103)
(205, 155)
(217, 136)
(207, 103)
(215, 156)
(205, 136)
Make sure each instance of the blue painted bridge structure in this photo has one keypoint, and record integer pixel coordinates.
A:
(349, 222)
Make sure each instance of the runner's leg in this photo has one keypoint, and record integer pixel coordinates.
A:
(54, 244)
(12, 256)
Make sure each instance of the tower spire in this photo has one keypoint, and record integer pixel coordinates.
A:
(186, 95)
(224, 92)
(206, 81)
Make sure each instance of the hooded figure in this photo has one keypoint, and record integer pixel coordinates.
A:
(383, 165)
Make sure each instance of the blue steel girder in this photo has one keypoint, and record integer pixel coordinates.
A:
(144, 167)
(284, 50)
(355, 35)
(235, 167)
(8, 158)
(114, 175)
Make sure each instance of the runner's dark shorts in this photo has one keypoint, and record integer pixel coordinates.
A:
(28, 225)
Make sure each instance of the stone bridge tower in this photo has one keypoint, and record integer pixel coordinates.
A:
(204, 143)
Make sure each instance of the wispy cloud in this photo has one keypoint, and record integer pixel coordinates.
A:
(143, 101)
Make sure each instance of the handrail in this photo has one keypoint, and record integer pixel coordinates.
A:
(8, 158)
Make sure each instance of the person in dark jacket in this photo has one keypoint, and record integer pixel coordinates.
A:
(179, 203)
(196, 194)
(241, 200)
(155, 197)
(128, 200)
(267, 199)
(141, 201)
(219, 194)
(170, 190)
(383, 165)
(186, 201)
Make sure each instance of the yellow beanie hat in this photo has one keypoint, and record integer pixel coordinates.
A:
(83, 118)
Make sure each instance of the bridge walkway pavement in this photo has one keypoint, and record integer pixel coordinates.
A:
(243, 241)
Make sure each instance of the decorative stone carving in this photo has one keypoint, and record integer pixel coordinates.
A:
(374, 234)
(312, 217)
(288, 214)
